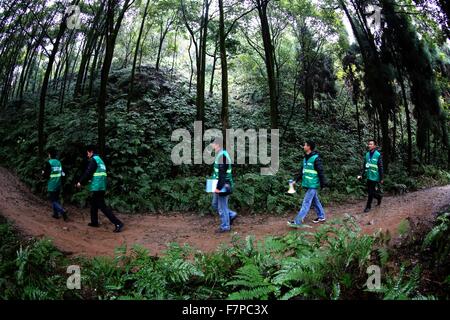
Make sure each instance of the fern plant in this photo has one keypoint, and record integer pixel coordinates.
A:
(439, 238)
(399, 288)
(251, 284)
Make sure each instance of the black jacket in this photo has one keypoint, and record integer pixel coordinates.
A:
(380, 166)
(47, 170)
(89, 172)
(317, 166)
(223, 167)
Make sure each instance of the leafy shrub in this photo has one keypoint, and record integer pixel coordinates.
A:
(141, 176)
(30, 271)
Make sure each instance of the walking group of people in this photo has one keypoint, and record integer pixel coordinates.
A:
(311, 176)
(95, 172)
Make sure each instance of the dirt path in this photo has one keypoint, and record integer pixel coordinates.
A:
(31, 215)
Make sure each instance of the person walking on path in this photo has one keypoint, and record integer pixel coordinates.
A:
(372, 170)
(222, 172)
(96, 172)
(312, 176)
(53, 172)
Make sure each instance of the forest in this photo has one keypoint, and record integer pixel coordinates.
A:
(124, 75)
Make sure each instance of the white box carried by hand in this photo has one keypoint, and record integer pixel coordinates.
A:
(211, 185)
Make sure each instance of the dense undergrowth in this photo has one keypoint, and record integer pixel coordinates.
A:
(328, 264)
(141, 176)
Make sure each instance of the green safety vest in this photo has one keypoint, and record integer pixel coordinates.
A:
(98, 182)
(372, 166)
(217, 161)
(54, 183)
(310, 178)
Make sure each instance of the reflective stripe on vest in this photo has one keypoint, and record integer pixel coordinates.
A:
(98, 182)
(54, 183)
(310, 178)
(372, 166)
(100, 174)
(310, 171)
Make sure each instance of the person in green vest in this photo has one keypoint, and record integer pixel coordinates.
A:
(96, 172)
(373, 171)
(313, 178)
(222, 172)
(53, 172)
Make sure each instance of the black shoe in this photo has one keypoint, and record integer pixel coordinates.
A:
(94, 225)
(317, 220)
(64, 214)
(118, 228)
(232, 219)
(55, 215)
(366, 210)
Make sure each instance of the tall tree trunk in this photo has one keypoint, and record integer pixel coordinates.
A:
(86, 71)
(211, 83)
(377, 79)
(55, 75)
(448, 157)
(51, 59)
(394, 135)
(87, 51)
(428, 149)
(94, 67)
(269, 61)
(72, 69)
(130, 92)
(26, 77)
(408, 120)
(402, 131)
(191, 64)
(175, 51)
(8, 85)
(201, 66)
(36, 74)
(141, 51)
(224, 66)
(161, 40)
(26, 62)
(111, 36)
(66, 72)
(29, 75)
(200, 57)
(127, 50)
(163, 35)
(358, 125)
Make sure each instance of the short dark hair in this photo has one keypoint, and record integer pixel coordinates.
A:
(311, 144)
(52, 152)
(91, 148)
(218, 141)
(373, 140)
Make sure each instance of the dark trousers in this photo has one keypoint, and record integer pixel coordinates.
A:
(373, 193)
(98, 202)
(53, 196)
